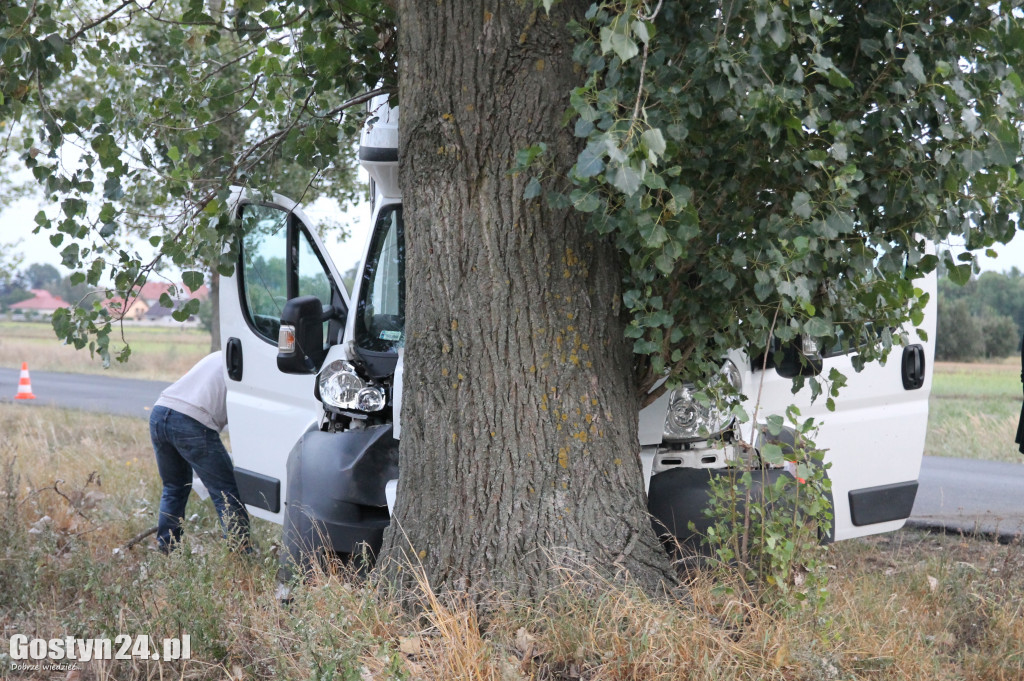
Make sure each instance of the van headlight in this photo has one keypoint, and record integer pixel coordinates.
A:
(688, 419)
(342, 388)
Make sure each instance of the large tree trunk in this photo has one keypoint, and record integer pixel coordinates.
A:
(519, 425)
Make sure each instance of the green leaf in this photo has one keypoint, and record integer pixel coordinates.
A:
(642, 346)
(760, 20)
(533, 189)
(105, 110)
(642, 30)
(112, 189)
(913, 66)
(590, 162)
(665, 263)
(584, 201)
(771, 453)
(654, 141)
(70, 256)
(816, 327)
(972, 160)
(187, 310)
(620, 43)
(192, 279)
(959, 274)
(526, 157)
(802, 204)
(626, 179)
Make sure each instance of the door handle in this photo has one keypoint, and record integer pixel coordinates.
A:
(913, 367)
(233, 359)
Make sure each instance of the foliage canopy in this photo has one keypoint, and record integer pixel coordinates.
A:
(766, 168)
(781, 168)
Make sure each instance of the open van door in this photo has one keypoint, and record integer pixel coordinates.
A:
(875, 437)
(280, 258)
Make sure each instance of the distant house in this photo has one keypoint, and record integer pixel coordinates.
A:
(146, 306)
(135, 308)
(158, 314)
(42, 304)
(152, 290)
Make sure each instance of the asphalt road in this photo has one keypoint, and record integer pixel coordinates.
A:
(962, 495)
(91, 392)
(958, 495)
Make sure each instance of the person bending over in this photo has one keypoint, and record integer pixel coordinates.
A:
(185, 427)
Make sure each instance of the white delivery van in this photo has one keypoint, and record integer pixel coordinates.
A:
(314, 390)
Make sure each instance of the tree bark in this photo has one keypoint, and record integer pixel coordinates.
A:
(215, 310)
(519, 425)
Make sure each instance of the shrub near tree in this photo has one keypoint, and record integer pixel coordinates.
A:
(1000, 334)
(957, 336)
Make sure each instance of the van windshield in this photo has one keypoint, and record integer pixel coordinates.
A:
(380, 311)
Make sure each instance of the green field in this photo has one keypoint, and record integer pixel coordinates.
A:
(974, 409)
(160, 353)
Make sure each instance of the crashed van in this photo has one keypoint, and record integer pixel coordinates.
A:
(314, 380)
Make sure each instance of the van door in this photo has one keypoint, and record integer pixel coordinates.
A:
(280, 258)
(875, 437)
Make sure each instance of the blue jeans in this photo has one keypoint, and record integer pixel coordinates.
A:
(182, 445)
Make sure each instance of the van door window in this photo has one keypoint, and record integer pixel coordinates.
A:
(313, 277)
(380, 316)
(264, 268)
(280, 262)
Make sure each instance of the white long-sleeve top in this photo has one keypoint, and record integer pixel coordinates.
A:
(201, 393)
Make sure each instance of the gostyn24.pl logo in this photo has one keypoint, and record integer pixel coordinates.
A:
(27, 651)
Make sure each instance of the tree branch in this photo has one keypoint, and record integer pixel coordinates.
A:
(96, 22)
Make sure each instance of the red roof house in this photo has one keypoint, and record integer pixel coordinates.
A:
(136, 308)
(42, 302)
(152, 290)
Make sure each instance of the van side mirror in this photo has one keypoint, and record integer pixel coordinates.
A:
(794, 358)
(300, 342)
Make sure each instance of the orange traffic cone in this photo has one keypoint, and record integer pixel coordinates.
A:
(24, 385)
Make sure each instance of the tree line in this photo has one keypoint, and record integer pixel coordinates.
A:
(981, 319)
(17, 285)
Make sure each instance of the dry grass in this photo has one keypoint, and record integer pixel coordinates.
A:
(907, 606)
(157, 353)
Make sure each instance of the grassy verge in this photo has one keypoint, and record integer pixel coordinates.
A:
(902, 606)
(157, 352)
(974, 409)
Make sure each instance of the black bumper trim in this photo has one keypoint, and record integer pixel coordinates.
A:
(378, 154)
(871, 505)
(261, 491)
